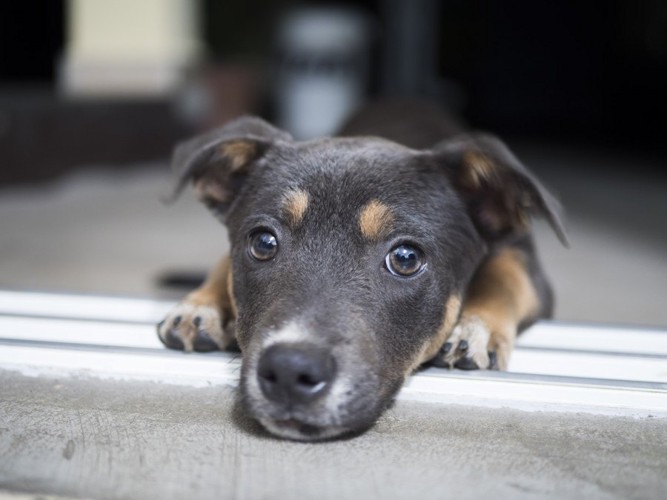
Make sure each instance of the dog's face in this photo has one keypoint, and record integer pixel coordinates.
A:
(350, 258)
(347, 270)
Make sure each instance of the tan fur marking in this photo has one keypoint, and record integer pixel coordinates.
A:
(217, 291)
(375, 220)
(451, 314)
(214, 290)
(208, 190)
(239, 153)
(479, 169)
(502, 295)
(295, 204)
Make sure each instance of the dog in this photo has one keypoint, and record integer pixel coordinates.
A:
(357, 259)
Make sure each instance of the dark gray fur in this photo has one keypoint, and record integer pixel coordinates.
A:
(334, 280)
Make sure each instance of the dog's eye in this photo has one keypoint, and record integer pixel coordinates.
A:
(404, 260)
(263, 245)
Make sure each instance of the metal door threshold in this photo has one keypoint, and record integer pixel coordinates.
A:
(604, 370)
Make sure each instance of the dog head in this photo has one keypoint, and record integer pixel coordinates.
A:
(350, 258)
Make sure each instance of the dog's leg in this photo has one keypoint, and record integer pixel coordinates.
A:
(508, 293)
(204, 320)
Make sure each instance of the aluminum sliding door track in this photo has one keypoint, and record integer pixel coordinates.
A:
(556, 367)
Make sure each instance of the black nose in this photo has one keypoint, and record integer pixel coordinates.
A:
(295, 373)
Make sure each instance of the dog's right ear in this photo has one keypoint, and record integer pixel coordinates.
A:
(218, 161)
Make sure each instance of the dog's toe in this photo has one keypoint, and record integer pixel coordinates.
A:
(193, 327)
(467, 346)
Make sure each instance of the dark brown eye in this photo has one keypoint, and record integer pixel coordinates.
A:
(263, 245)
(404, 260)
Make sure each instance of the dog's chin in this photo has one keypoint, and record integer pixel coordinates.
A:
(299, 431)
(302, 426)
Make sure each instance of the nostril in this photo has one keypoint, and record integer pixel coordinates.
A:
(306, 380)
(269, 377)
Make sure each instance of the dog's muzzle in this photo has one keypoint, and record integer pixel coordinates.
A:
(309, 387)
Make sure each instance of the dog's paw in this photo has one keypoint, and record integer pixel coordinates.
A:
(193, 327)
(471, 346)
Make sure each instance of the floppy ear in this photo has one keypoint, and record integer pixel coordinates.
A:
(219, 160)
(500, 193)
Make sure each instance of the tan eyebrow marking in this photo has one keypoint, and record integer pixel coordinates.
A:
(375, 220)
(295, 204)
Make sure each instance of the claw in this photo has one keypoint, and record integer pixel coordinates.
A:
(439, 359)
(439, 362)
(466, 364)
(493, 361)
(173, 341)
(204, 343)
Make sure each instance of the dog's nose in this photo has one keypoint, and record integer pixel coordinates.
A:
(295, 373)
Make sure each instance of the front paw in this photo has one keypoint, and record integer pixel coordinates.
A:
(193, 327)
(472, 346)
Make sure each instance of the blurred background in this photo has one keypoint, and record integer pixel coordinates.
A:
(94, 94)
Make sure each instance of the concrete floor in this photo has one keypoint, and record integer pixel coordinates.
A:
(94, 439)
(105, 232)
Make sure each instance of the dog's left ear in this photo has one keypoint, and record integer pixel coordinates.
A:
(500, 193)
(218, 161)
